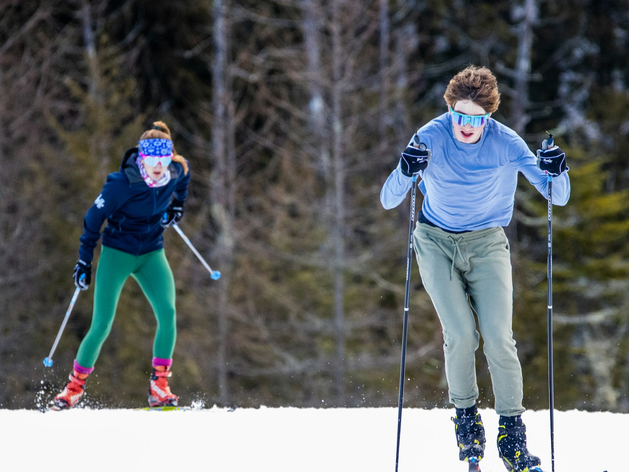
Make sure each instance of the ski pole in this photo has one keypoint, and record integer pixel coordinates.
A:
(48, 360)
(551, 380)
(214, 274)
(409, 262)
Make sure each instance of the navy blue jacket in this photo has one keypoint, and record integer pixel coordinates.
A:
(133, 210)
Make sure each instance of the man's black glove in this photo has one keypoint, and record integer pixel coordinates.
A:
(173, 214)
(82, 274)
(551, 159)
(414, 158)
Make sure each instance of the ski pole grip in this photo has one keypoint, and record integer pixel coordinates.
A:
(418, 143)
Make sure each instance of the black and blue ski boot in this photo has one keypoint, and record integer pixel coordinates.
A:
(512, 446)
(470, 434)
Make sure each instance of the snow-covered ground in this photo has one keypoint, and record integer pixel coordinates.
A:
(289, 440)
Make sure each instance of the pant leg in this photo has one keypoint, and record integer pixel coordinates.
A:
(435, 254)
(490, 287)
(113, 269)
(156, 281)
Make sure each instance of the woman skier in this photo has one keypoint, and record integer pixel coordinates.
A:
(144, 196)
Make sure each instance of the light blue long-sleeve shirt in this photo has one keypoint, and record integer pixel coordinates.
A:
(469, 187)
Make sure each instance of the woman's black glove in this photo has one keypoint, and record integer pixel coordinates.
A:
(173, 214)
(82, 274)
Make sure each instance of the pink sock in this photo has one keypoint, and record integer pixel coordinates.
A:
(82, 370)
(159, 362)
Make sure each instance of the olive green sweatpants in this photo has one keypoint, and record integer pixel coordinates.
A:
(466, 273)
(153, 274)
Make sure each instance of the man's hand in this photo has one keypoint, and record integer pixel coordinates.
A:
(551, 159)
(414, 158)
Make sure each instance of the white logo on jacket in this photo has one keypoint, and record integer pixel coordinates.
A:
(99, 202)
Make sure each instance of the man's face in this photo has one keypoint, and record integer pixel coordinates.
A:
(467, 133)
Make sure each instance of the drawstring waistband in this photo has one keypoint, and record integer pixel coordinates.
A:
(437, 233)
(455, 243)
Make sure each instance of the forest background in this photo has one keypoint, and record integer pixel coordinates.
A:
(292, 114)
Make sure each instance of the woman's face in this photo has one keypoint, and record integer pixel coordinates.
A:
(467, 133)
(154, 172)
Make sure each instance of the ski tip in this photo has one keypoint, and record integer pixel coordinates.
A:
(163, 408)
(58, 405)
(48, 362)
(474, 465)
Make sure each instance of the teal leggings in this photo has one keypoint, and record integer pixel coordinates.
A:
(153, 274)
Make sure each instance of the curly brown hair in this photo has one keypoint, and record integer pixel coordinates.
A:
(477, 84)
(161, 131)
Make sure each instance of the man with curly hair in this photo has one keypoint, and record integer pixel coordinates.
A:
(469, 167)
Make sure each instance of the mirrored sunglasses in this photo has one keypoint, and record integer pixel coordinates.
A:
(154, 160)
(462, 119)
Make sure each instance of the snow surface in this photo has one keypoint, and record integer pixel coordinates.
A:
(290, 440)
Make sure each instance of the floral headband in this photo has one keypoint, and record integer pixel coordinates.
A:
(155, 148)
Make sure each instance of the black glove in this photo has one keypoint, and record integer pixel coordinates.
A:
(82, 274)
(551, 159)
(173, 214)
(414, 158)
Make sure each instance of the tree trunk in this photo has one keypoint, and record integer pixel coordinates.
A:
(400, 120)
(222, 190)
(383, 114)
(519, 115)
(520, 104)
(339, 206)
(98, 142)
(312, 38)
